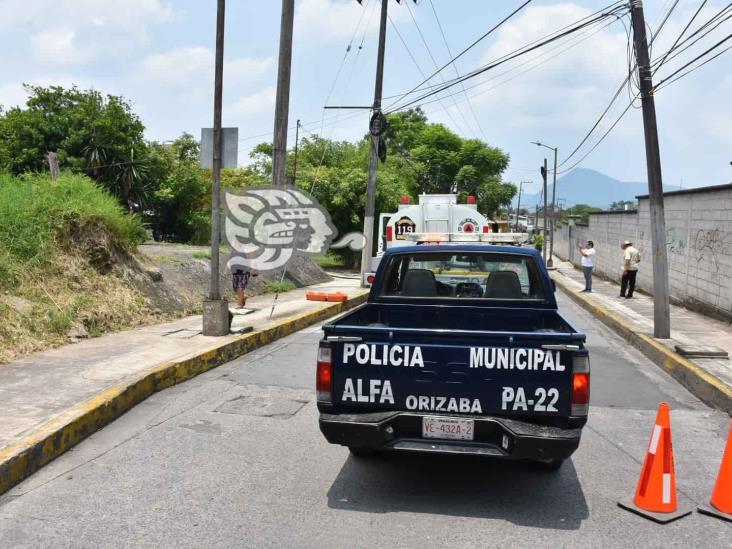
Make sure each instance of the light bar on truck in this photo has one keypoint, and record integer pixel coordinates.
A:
(486, 238)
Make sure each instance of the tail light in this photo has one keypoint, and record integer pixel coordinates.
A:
(580, 385)
(324, 375)
(389, 233)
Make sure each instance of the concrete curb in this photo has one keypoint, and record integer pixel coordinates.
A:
(702, 384)
(49, 440)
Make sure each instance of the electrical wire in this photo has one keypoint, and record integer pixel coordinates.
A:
(677, 71)
(509, 57)
(457, 72)
(464, 51)
(673, 46)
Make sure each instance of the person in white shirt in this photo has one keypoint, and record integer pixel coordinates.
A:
(588, 263)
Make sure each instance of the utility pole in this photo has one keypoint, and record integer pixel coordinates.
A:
(297, 143)
(550, 263)
(282, 105)
(661, 311)
(368, 220)
(216, 310)
(518, 205)
(543, 175)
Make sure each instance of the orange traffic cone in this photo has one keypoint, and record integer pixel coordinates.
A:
(721, 502)
(655, 497)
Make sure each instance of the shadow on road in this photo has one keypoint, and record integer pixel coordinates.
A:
(461, 486)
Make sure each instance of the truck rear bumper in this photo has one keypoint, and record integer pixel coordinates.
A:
(494, 436)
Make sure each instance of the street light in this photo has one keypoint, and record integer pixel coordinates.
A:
(550, 262)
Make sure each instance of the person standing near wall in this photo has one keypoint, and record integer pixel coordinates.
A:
(631, 259)
(588, 263)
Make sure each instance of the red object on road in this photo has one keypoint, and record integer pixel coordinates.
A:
(721, 502)
(655, 496)
(315, 296)
(337, 297)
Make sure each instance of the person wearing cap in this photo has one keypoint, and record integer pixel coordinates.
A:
(631, 259)
(588, 263)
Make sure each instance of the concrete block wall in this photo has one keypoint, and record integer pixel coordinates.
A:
(698, 242)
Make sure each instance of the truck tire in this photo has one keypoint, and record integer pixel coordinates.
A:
(547, 465)
(361, 452)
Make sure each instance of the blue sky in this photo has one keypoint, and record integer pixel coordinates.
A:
(159, 55)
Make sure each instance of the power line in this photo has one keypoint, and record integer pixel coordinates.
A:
(463, 52)
(692, 70)
(714, 47)
(434, 62)
(513, 55)
(673, 46)
(457, 73)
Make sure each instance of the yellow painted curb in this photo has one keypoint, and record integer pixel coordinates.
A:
(708, 388)
(49, 440)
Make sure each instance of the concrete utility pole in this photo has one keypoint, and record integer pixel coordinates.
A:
(543, 175)
(282, 106)
(518, 205)
(661, 310)
(550, 262)
(368, 220)
(297, 144)
(216, 310)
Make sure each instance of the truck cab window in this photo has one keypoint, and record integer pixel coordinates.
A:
(498, 276)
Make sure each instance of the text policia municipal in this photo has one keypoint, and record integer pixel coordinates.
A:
(499, 358)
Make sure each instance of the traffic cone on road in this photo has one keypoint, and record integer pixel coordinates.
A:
(721, 502)
(655, 496)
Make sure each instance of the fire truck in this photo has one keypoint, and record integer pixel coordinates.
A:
(438, 218)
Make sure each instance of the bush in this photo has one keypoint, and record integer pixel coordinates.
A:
(38, 218)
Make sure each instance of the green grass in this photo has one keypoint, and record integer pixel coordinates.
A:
(280, 287)
(329, 261)
(201, 255)
(39, 218)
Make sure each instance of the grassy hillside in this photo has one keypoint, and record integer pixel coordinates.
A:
(60, 248)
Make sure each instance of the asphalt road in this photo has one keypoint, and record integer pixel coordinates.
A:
(234, 458)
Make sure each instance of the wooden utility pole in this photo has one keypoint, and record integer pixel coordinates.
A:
(368, 220)
(282, 105)
(661, 310)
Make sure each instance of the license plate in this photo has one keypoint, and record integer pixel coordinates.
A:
(447, 427)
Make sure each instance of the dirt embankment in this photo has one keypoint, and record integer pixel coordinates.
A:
(93, 287)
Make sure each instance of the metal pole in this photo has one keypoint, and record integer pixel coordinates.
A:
(214, 291)
(282, 105)
(297, 143)
(661, 310)
(550, 263)
(368, 220)
(518, 205)
(543, 248)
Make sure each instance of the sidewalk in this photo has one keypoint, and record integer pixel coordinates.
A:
(43, 389)
(710, 379)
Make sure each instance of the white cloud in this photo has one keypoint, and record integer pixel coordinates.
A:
(325, 21)
(58, 47)
(255, 103)
(195, 65)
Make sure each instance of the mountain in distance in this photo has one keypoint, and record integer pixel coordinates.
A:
(584, 186)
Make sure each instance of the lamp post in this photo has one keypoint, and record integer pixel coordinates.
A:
(550, 262)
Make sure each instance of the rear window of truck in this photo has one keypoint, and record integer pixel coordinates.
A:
(472, 275)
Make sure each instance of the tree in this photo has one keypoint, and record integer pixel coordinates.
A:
(90, 133)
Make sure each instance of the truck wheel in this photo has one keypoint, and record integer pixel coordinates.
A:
(547, 465)
(361, 452)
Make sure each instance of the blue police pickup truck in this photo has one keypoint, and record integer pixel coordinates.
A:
(459, 349)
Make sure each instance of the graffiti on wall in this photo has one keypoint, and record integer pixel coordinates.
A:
(675, 242)
(709, 245)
